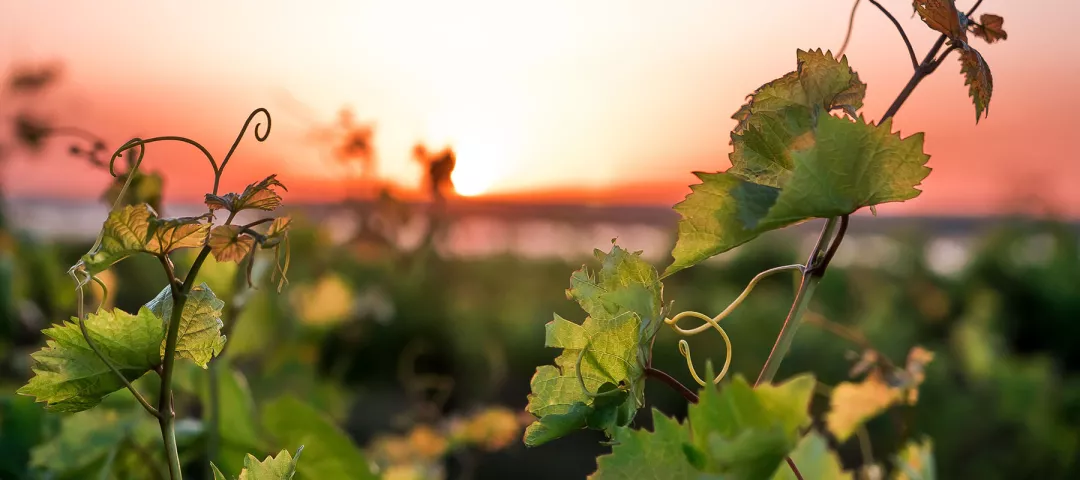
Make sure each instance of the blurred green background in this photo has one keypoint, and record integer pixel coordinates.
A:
(380, 340)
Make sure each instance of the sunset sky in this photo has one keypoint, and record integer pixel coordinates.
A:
(616, 100)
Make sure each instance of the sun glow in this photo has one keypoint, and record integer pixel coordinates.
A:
(476, 170)
(485, 150)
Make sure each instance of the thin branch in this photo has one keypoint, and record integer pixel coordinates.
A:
(937, 63)
(974, 7)
(903, 34)
(850, 28)
(794, 469)
(686, 393)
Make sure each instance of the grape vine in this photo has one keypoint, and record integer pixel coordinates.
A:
(94, 355)
(802, 150)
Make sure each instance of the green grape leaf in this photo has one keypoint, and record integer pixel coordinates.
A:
(281, 467)
(136, 229)
(714, 217)
(200, 337)
(978, 79)
(778, 118)
(916, 461)
(69, 377)
(217, 473)
(228, 244)
(84, 440)
(851, 165)
(735, 432)
(990, 28)
(942, 15)
(624, 305)
(750, 454)
(236, 419)
(644, 455)
(750, 430)
(792, 161)
(257, 196)
(814, 460)
(332, 454)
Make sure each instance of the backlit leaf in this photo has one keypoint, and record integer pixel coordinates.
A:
(814, 460)
(644, 455)
(990, 28)
(852, 404)
(623, 300)
(85, 439)
(136, 228)
(851, 165)
(779, 116)
(200, 337)
(330, 452)
(846, 165)
(124, 233)
(278, 230)
(280, 467)
(978, 79)
(734, 432)
(69, 377)
(941, 15)
(257, 196)
(171, 234)
(228, 244)
(916, 462)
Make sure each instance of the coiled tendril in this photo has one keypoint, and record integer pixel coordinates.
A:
(684, 346)
(714, 322)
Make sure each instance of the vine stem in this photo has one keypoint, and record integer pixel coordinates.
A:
(811, 276)
(676, 385)
(815, 270)
(794, 469)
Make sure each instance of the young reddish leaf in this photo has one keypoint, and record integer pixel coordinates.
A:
(941, 15)
(990, 28)
(228, 244)
(978, 79)
(136, 229)
(166, 235)
(257, 196)
(279, 229)
(70, 377)
(123, 233)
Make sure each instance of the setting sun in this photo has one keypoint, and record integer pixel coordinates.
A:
(473, 175)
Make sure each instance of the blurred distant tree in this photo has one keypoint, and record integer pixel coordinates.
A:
(31, 130)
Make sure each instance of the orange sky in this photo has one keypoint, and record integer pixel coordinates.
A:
(623, 98)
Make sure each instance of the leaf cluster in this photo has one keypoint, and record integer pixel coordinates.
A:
(794, 160)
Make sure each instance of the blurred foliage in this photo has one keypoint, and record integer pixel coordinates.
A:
(407, 364)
